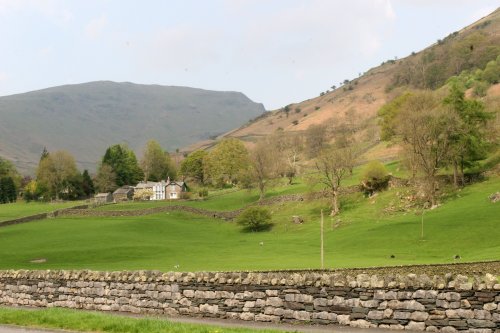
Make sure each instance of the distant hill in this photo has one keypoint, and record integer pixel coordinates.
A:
(358, 100)
(87, 118)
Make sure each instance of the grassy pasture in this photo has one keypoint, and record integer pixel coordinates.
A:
(363, 235)
(21, 208)
(87, 321)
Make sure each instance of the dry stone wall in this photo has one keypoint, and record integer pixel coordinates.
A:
(443, 303)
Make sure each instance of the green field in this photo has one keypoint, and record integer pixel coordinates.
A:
(87, 321)
(21, 209)
(363, 235)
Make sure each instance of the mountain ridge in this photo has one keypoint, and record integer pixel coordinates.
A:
(86, 118)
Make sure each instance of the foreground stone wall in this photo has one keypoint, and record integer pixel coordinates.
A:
(445, 303)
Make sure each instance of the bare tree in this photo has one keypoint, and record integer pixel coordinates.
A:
(105, 180)
(316, 139)
(261, 166)
(333, 165)
(288, 148)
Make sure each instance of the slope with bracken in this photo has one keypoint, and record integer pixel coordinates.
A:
(358, 101)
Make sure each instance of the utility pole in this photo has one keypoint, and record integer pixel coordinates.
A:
(322, 244)
(422, 225)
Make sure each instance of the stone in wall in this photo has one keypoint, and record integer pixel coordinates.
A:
(436, 303)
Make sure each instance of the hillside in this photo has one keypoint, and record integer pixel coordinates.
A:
(87, 118)
(358, 101)
(369, 232)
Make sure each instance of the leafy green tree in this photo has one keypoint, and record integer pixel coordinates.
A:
(374, 177)
(425, 128)
(156, 163)
(87, 184)
(7, 169)
(468, 141)
(388, 114)
(74, 188)
(32, 191)
(225, 161)
(124, 164)
(8, 191)
(255, 219)
(192, 166)
(491, 73)
(55, 172)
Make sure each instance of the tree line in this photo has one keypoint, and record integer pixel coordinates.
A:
(57, 176)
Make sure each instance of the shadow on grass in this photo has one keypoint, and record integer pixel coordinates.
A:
(260, 228)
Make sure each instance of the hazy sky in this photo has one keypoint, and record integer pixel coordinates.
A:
(274, 51)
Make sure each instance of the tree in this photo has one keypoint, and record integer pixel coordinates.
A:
(105, 180)
(388, 114)
(468, 141)
(55, 171)
(374, 177)
(344, 139)
(192, 166)
(287, 149)
(333, 166)
(255, 219)
(8, 191)
(316, 137)
(262, 167)
(45, 153)
(32, 191)
(74, 188)
(87, 184)
(7, 169)
(425, 128)
(124, 164)
(225, 161)
(156, 163)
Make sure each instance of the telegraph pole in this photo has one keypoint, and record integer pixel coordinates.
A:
(322, 244)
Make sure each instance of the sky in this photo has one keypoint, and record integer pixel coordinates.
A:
(276, 52)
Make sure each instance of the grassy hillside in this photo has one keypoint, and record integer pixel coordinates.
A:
(91, 321)
(87, 118)
(21, 209)
(365, 234)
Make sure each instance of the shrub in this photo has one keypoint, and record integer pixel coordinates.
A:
(374, 177)
(480, 89)
(203, 193)
(185, 195)
(255, 219)
(295, 122)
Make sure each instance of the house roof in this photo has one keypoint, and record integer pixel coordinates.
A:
(123, 190)
(143, 185)
(173, 182)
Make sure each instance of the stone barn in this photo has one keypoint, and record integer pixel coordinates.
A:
(124, 193)
(103, 198)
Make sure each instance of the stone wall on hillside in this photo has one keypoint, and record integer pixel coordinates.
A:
(445, 303)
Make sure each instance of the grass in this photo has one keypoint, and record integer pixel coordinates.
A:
(86, 321)
(21, 208)
(230, 200)
(363, 235)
